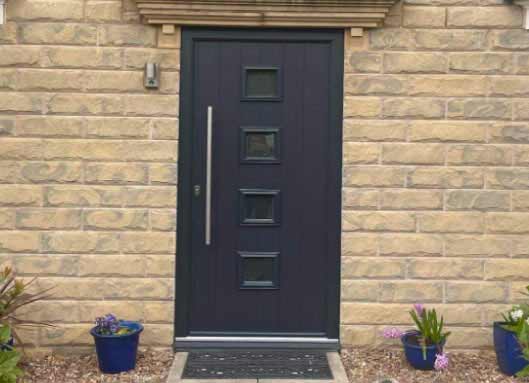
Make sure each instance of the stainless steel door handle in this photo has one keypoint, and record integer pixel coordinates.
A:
(208, 175)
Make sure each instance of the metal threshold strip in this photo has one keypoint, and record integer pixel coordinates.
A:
(223, 342)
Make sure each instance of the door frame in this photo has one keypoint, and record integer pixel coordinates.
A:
(334, 208)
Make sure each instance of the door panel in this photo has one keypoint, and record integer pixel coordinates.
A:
(273, 263)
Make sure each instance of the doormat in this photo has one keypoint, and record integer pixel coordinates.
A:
(239, 364)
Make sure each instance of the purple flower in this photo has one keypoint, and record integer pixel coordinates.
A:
(107, 325)
(441, 361)
(392, 333)
(419, 308)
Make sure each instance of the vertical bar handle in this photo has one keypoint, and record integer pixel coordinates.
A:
(208, 175)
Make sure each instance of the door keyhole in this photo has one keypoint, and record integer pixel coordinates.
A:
(196, 190)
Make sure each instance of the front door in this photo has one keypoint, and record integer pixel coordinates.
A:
(261, 158)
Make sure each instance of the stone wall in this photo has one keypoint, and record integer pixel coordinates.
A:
(436, 183)
(88, 164)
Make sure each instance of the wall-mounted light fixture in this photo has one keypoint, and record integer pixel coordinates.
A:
(3, 6)
(525, 5)
(151, 76)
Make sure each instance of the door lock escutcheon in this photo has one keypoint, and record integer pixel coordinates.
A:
(196, 190)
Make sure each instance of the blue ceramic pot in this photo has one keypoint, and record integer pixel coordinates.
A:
(117, 353)
(508, 352)
(7, 346)
(414, 352)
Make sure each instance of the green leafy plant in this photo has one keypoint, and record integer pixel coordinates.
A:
(9, 358)
(517, 321)
(431, 328)
(14, 295)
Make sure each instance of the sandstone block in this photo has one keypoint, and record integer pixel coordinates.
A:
(363, 62)
(411, 200)
(359, 245)
(509, 133)
(356, 267)
(362, 130)
(33, 126)
(411, 291)
(127, 35)
(163, 220)
(358, 291)
(58, 34)
(355, 176)
(163, 174)
(82, 57)
(512, 39)
(481, 63)
(362, 107)
(479, 109)
(11, 195)
(479, 155)
(115, 219)
(80, 242)
(66, 196)
(358, 199)
(48, 219)
(19, 242)
(424, 17)
(445, 269)
(416, 62)
(451, 40)
(448, 222)
(158, 197)
(378, 221)
(507, 178)
(413, 154)
(506, 269)
(477, 246)
(416, 108)
(472, 292)
(103, 11)
(450, 178)
(507, 223)
(160, 265)
(447, 131)
(148, 243)
(363, 85)
(484, 17)
(355, 153)
(116, 173)
(51, 10)
(478, 200)
(165, 129)
(111, 266)
(410, 245)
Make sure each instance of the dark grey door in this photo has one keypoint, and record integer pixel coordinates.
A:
(264, 117)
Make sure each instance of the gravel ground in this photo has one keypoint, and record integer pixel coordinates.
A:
(373, 364)
(151, 367)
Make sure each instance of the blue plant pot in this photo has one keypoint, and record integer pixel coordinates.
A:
(508, 353)
(7, 346)
(117, 353)
(414, 353)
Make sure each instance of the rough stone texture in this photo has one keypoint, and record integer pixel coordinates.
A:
(88, 165)
(436, 185)
(441, 94)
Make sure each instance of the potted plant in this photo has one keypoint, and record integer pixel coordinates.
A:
(9, 357)
(511, 340)
(14, 295)
(116, 343)
(423, 346)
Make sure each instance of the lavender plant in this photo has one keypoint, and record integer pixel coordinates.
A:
(110, 325)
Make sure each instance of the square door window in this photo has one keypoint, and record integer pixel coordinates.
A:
(259, 207)
(261, 83)
(258, 270)
(260, 145)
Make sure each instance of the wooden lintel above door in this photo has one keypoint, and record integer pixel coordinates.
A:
(354, 14)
